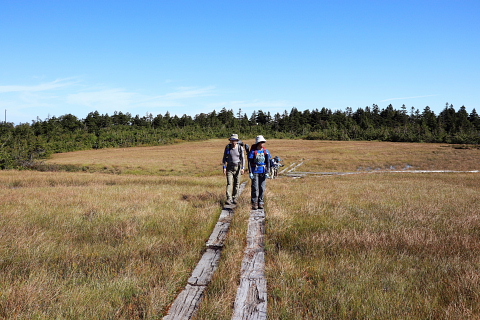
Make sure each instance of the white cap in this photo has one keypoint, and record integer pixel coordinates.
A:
(259, 139)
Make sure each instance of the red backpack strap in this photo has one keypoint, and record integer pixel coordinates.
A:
(264, 151)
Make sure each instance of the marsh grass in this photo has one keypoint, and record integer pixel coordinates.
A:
(351, 156)
(119, 238)
(204, 158)
(374, 247)
(184, 159)
(95, 246)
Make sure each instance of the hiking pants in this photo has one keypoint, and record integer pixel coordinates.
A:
(233, 180)
(259, 185)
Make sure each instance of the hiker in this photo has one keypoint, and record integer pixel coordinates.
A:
(233, 167)
(259, 165)
(275, 164)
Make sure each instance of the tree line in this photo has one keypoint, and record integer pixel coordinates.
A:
(24, 144)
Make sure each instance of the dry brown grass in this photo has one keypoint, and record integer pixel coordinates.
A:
(96, 246)
(350, 156)
(203, 158)
(119, 244)
(386, 246)
(194, 159)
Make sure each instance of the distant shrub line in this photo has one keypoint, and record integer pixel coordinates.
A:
(24, 144)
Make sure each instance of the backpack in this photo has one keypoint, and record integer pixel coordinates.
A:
(254, 147)
(272, 162)
(229, 146)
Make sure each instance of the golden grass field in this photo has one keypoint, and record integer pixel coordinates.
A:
(203, 158)
(119, 239)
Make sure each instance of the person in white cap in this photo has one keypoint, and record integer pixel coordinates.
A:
(233, 167)
(259, 160)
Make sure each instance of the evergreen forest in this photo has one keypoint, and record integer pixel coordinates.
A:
(24, 145)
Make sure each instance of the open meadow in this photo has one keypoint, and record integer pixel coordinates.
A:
(118, 235)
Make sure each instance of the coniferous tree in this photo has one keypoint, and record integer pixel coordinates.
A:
(474, 119)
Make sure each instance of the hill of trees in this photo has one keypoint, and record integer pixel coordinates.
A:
(24, 144)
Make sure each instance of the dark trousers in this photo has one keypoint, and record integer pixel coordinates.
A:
(259, 185)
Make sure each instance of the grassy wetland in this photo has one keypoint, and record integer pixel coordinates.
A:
(118, 237)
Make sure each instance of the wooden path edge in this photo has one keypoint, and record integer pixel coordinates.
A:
(186, 305)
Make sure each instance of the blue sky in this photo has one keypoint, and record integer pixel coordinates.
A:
(189, 57)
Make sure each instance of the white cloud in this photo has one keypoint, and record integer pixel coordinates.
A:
(189, 92)
(59, 83)
(120, 99)
(64, 96)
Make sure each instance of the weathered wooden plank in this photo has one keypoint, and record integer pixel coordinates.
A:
(226, 215)
(186, 304)
(251, 299)
(220, 232)
(256, 233)
(219, 235)
(206, 267)
(253, 265)
(288, 168)
(260, 213)
(292, 167)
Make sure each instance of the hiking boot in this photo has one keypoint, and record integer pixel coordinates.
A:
(254, 206)
(228, 202)
(260, 206)
(234, 201)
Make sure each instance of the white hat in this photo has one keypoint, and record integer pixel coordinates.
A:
(234, 137)
(259, 139)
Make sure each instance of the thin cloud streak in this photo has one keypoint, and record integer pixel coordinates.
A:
(65, 95)
(117, 96)
(189, 92)
(59, 83)
(416, 97)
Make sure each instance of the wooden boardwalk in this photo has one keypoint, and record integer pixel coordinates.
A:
(251, 299)
(187, 302)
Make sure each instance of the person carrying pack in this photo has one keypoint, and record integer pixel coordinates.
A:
(275, 164)
(259, 163)
(233, 167)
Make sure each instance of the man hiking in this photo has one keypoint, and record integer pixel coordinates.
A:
(233, 167)
(259, 161)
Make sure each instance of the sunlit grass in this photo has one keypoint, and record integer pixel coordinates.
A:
(193, 159)
(204, 158)
(374, 247)
(118, 239)
(352, 156)
(94, 246)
